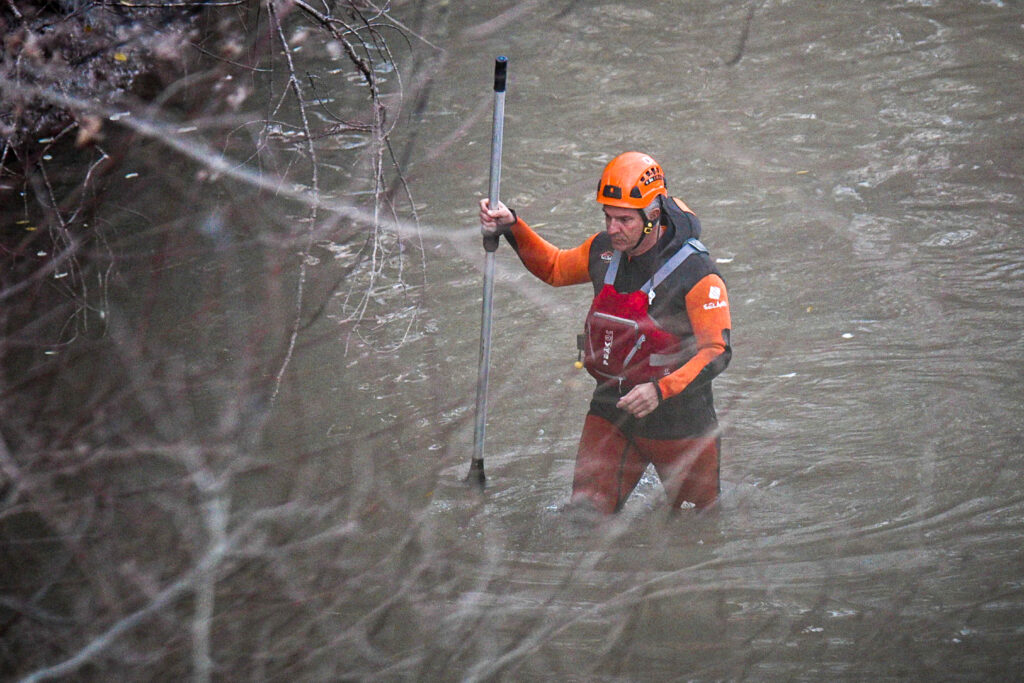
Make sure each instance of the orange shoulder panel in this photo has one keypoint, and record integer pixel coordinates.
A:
(707, 305)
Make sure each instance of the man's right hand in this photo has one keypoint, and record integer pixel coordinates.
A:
(494, 222)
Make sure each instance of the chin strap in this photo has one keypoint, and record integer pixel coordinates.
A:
(648, 229)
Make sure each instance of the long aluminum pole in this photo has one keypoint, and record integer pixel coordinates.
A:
(476, 468)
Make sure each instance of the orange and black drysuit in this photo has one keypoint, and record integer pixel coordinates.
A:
(689, 312)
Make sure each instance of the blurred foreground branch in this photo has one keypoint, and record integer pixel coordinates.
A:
(170, 174)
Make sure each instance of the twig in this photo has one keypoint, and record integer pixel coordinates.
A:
(208, 563)
(15, 11)
(744, 35)
(293, 81)
(213, 160)
(215, 517)
(486, 28)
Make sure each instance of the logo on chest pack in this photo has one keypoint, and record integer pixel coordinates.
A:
(606, 353)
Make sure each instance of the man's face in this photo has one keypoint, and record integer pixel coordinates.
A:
(624, 226)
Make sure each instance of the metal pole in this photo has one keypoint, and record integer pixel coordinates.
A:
(476, 468)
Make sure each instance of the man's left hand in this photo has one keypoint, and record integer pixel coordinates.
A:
(640, 401)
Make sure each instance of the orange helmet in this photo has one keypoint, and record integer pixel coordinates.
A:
(631, 180)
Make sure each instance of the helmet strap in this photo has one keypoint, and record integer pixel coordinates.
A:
(648, 229)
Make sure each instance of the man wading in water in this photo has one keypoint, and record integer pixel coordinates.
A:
(656, 335)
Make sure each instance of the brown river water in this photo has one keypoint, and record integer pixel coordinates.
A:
(858, 168)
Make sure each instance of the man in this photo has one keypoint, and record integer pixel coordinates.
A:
(656, 334)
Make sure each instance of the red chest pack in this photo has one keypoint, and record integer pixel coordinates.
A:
(623, 344)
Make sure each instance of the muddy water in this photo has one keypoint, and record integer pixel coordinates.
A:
(857, 169)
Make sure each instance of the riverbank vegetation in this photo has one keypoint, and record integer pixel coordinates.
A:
(162, 162)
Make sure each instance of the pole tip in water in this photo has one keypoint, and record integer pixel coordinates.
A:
(476, 474)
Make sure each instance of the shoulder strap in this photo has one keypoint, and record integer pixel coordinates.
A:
(690, 247)
(613, 268)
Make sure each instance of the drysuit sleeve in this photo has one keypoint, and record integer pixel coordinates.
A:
(554, 266)
(707, 305)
